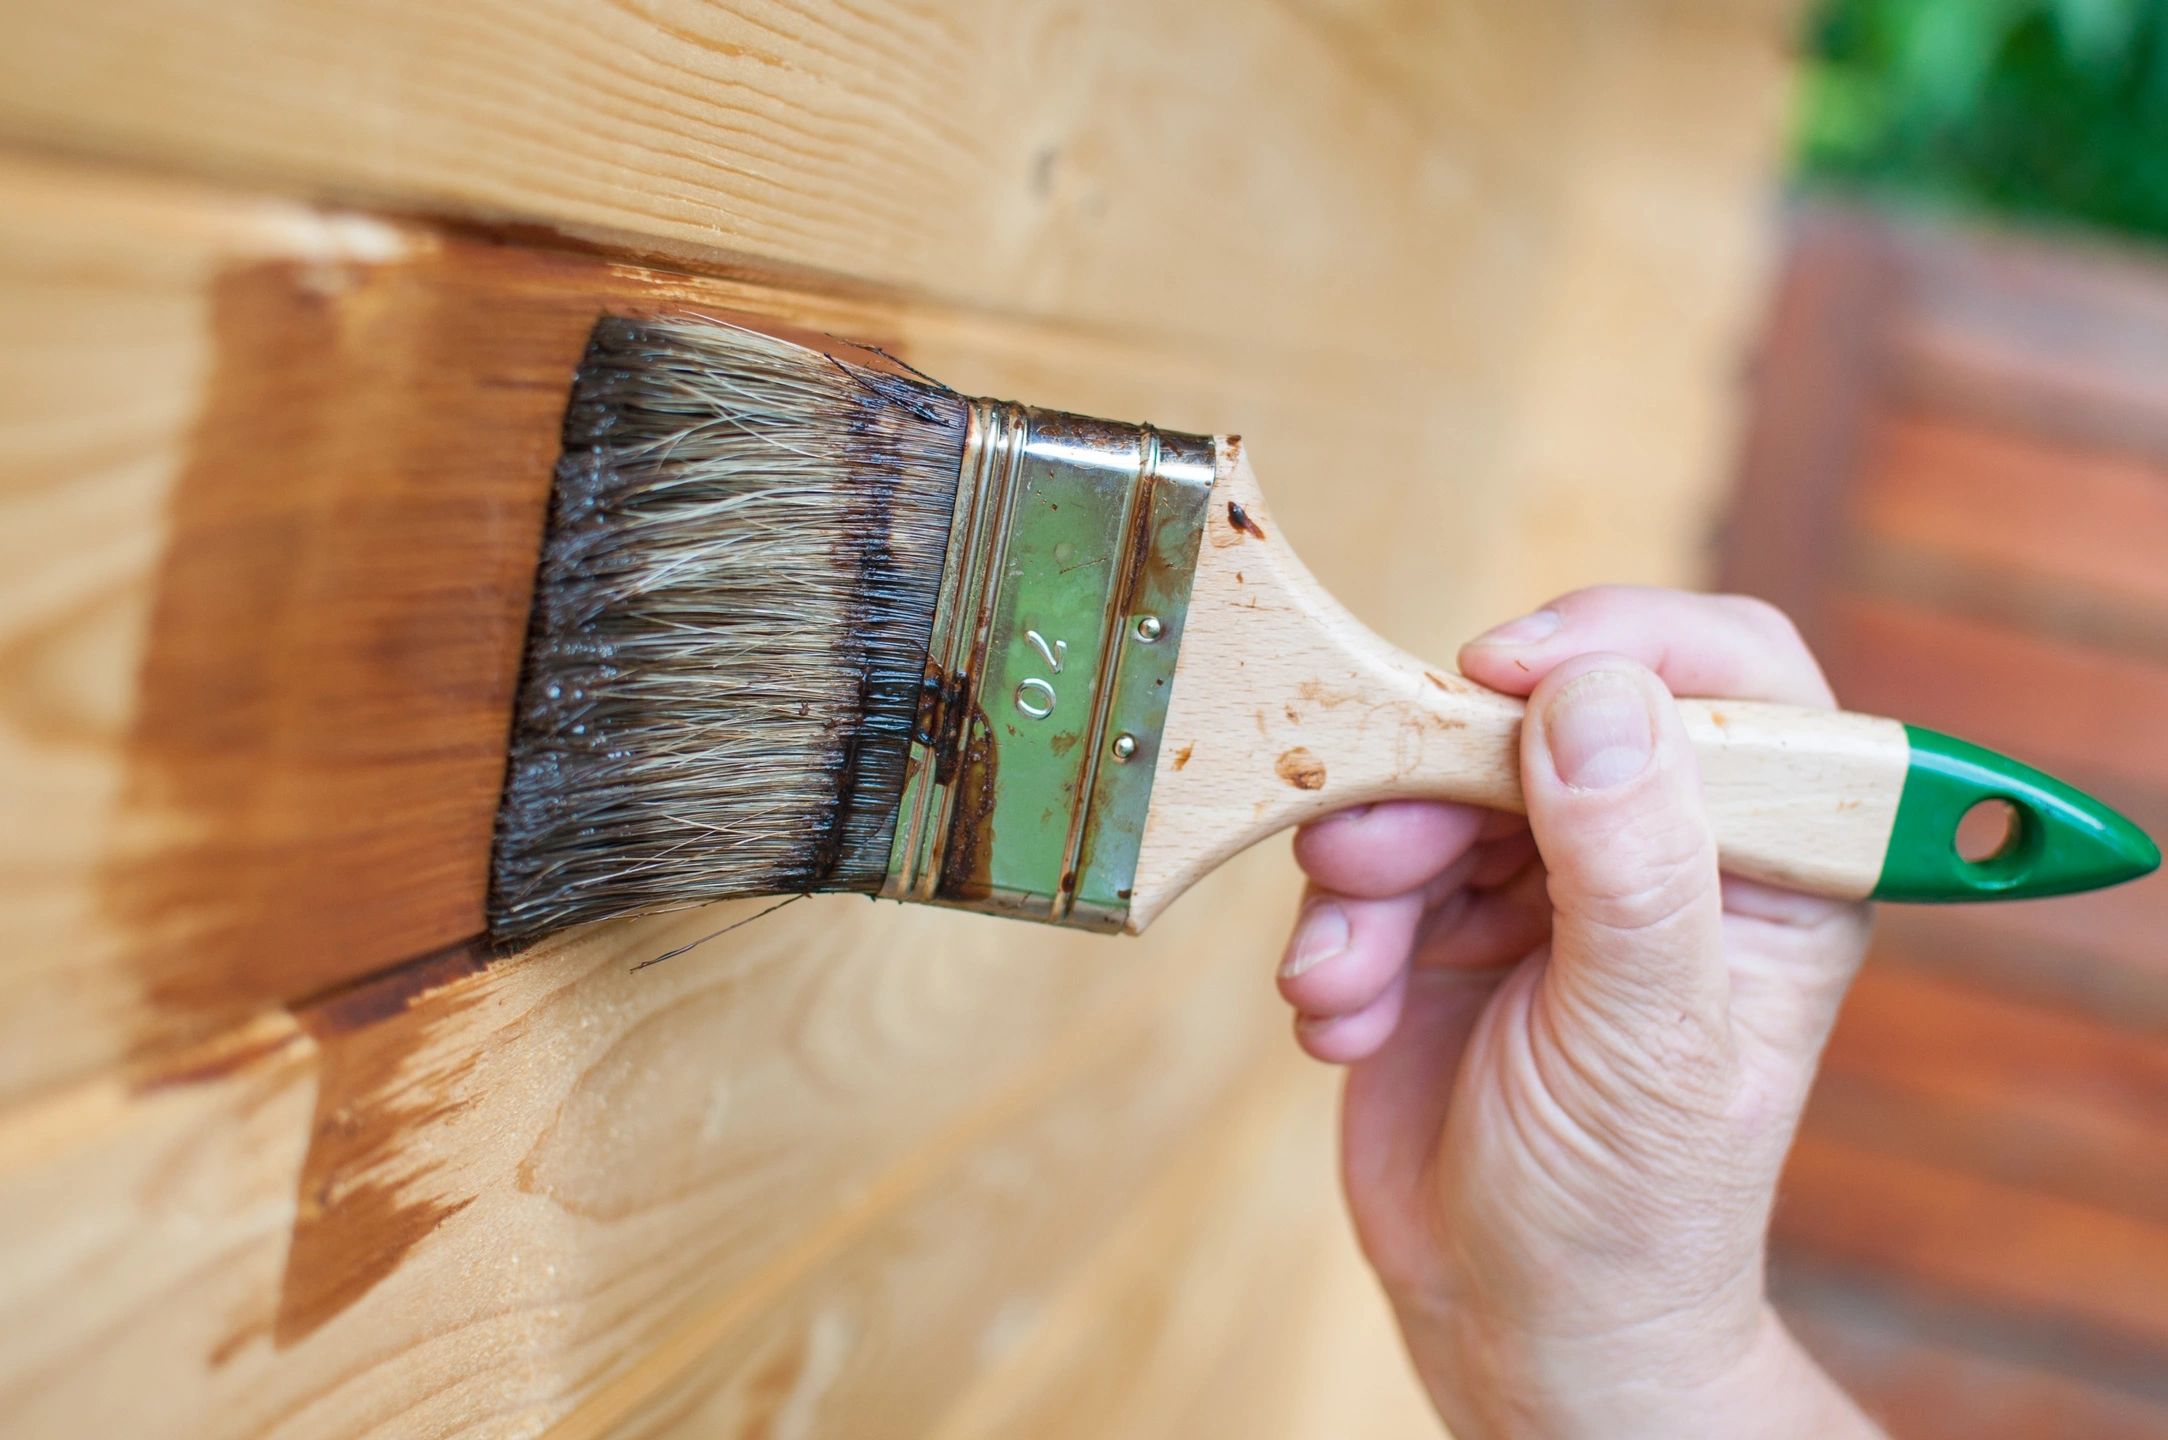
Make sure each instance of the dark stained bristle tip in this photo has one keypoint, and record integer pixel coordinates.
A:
(729, 631)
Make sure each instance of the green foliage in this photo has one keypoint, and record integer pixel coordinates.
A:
(2044, 108)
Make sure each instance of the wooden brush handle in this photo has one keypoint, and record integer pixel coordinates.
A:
(1286, 708)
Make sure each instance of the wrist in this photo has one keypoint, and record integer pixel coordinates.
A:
(1739, 1378)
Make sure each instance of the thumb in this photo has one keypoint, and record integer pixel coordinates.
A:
(1614, 798)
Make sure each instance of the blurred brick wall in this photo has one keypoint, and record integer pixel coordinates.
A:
(1957, 479)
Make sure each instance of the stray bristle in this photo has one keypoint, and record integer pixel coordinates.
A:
(729, 628)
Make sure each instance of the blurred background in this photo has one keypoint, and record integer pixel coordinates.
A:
(1956, 477)
(1860, 306)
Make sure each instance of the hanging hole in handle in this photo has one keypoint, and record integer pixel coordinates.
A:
(1987, 830)
(1998, 839)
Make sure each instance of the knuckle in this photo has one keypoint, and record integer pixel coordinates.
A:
(1642, 875)
(1764, 619)
(1594, 597)
(1659, 901)
(1331, 991)
(1786, 657)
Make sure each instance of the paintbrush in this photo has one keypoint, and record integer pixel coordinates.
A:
(807, 623)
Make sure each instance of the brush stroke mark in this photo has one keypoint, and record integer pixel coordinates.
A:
(389, 1072)
(310, 777)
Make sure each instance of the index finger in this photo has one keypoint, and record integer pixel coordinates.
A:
(1729, 647)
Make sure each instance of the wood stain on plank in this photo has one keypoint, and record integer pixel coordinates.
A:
(316, 755)
(317, 747)
(317, 751)
(371, 1187)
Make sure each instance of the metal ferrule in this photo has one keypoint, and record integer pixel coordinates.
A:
(1054, 644)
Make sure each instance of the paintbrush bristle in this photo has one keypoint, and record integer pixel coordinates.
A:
(729, 629)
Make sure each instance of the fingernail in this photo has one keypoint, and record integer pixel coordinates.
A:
(1600, 729)
(1541, 625)
(1321, 935)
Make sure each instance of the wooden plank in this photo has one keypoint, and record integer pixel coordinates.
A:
(988, 1252)
(1236, 1318)
(1015, 157)
(1027, 1275)
(143, 1233)
(100, 416)
(1408, 44)
(561, 1159)
(278, 702)
(1891, 325)
(1402, 46)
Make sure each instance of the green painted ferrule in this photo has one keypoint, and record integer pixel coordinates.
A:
(1060, 615)
(2060, 841)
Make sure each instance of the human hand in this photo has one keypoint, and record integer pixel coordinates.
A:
(1577, 1057)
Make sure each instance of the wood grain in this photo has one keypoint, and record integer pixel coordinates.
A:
(1033, 1292)
(145, 1231)
(521, 1157)
(101, 419)
(1001, 156)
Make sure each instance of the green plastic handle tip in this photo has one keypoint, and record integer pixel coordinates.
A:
(2060, 839)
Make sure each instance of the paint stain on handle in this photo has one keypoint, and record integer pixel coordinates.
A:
(1299, 768)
